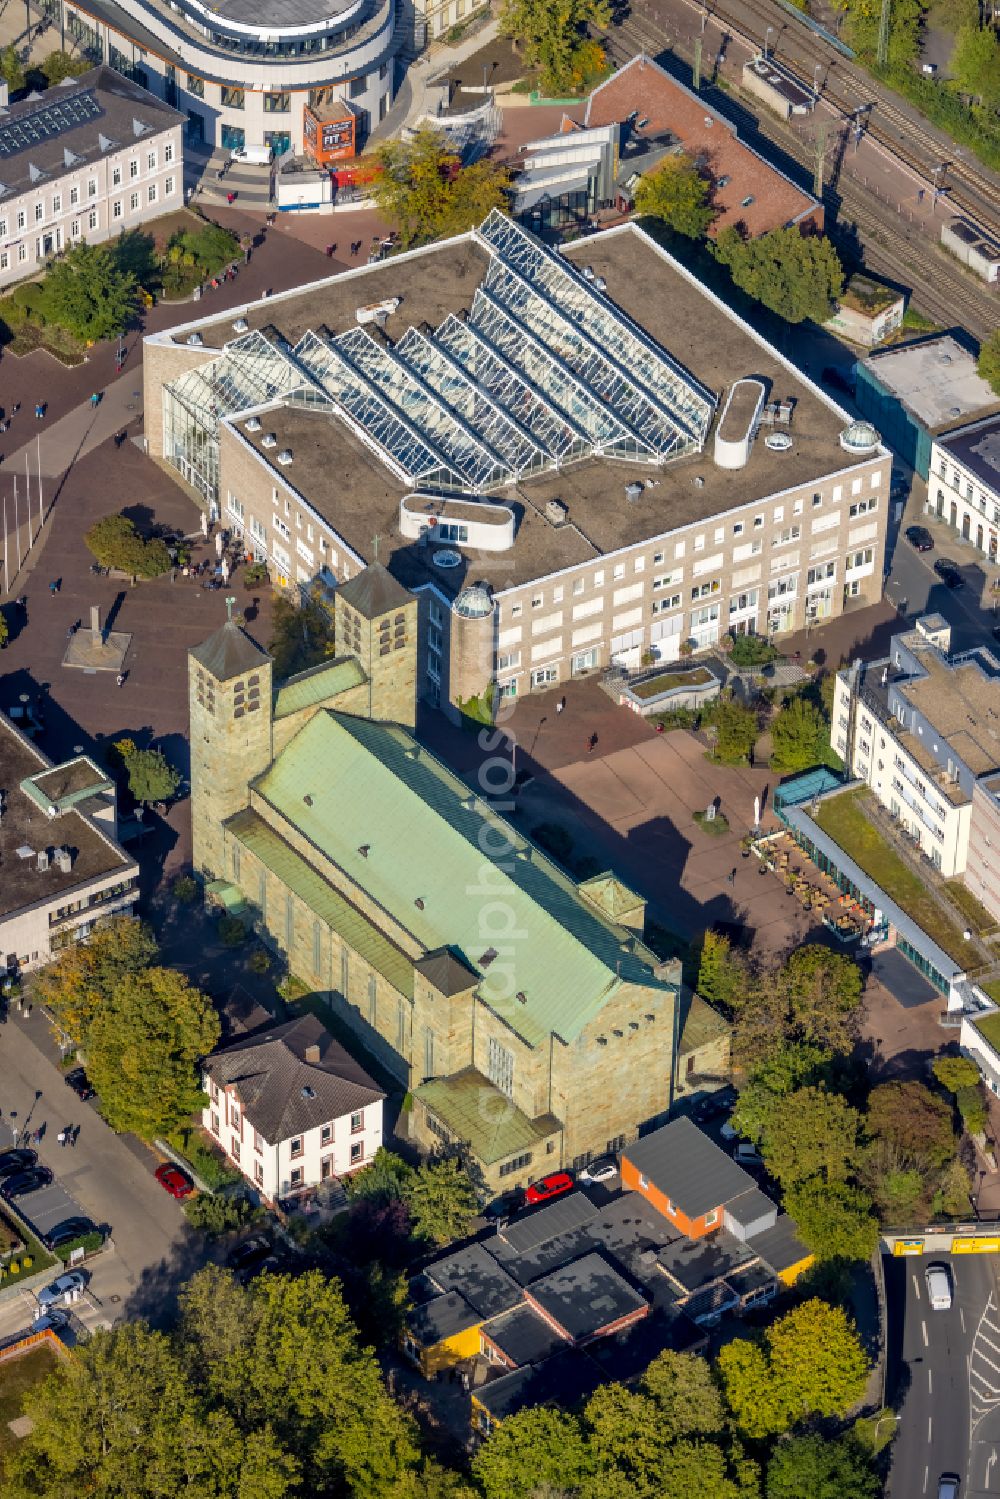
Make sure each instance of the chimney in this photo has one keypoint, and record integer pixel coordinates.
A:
(312, 1054)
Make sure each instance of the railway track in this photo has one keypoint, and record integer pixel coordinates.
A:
(941, 287)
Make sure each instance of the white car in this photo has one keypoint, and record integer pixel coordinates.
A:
(603, 1170)
(729, 1130)
(73, 1280)
(746, 1154)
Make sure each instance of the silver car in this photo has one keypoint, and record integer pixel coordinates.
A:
(73, 1280)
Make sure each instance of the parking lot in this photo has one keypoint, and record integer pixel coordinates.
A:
(48, 1206)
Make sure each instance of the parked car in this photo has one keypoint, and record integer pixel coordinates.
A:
(728, 1130)
(549, 1187)
(714, 1104)
(920, 538)
(746, 1154)
(247, 1258)
(25, 1182)
(173, 1180)
(938, 1281)
(68, 1230)
(51, 1320)
(79, 1082)
(13, 1161)
(948, 573)
(603, 1170)
(505, 1206)
(948, 1486)
(73, 1280)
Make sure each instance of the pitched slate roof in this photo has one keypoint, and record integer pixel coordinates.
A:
(229, 653)
(685, 1165)
(374, 592)
(408, 832)
(447, 971)
(282, 1094)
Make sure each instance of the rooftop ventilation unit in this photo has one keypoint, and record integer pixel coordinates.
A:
(269, 440)
(556, 512)
(42, 860)
(600, 283)
(64, 859)
(252, 424)
(447, 558)
(308, 1092)
(285, 457)
(195, 340)
(634, 491)
(588, 273)
(241, 325)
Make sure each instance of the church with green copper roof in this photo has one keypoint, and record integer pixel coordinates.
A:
(520, 1010)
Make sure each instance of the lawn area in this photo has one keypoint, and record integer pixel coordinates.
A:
(992, 988)
(973, 910)
(28, 1260)
(844, 818)
(989, 1025)
(17, 1376)
(697, 676)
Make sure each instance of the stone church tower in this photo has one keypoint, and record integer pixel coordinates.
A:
(375, 621)
(229, 700)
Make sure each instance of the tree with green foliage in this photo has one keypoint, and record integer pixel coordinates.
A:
(951, 1196)
(954, 1073)
(800, 735)
(151, 777)
(78, 983)
(216, 1213)
(143, 1048)
(302, 635)
(834, 1219)
(823, 1469)
(283, 1355)
(116, 544)
(687, 1399)
(972, 1107)
(722, 973)
(88, 293)
(917, 1122)
(60, 65)
(441, 1201)
(426, 194)
(808, 1363)
(386, 1177)
(553, 40)
(790, 1066)
(822, 993)
(810, 1134)
(736, 730)
(532, 1449)
(988, 363)
(677, 195)
(862, 28)
(795, 275)
(750, 651)
(975, 62)
(12, 69)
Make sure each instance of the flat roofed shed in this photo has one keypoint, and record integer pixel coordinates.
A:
(585, 1297)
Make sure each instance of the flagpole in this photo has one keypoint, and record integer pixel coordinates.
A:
(17, 528)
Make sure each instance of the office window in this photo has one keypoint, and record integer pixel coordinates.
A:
(232, 98)
(117, 208)
(168, 187)
(21, 219)
(500, 1066)
(92, 187)
(151, 193)
(22, 251)
(133, 169)
(357, 1152)
(39, 212)
(92, 219)
(326, 1134)
(168, 153)
(151, 161)
(296, 1146)
(357, 1122)
(277, 103)
(4, 260)
(196, 88)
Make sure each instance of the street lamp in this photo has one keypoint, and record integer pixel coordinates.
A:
(767, 35)
(816, 72)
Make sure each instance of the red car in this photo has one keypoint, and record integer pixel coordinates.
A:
(174, 1180)
(549, 1187)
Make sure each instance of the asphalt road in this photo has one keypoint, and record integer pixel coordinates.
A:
(110, 1176)
(938, 1377)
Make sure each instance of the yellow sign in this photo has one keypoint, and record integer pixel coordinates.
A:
(908, 1246)
(976, 1246)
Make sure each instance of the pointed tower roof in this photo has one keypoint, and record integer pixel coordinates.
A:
(374, 592)
(229, 653)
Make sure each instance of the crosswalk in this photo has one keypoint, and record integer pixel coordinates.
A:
(984, 1364)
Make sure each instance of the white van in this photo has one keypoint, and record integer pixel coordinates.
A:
(938, 1280)
(255, 156)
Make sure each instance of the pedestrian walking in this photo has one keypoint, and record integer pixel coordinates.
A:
(36, 1137)
(75, 1135)
(61, 1137)
(53, 589)
(15, 408)
(121, 679)
(247, 252)
(732, 876)
(39, 410)
(560, 705)
(95, 400)
(591, 744)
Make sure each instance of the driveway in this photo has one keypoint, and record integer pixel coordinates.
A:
(109, 1176)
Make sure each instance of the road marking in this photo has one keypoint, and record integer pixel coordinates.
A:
(989, 1464)
(961, 1318)
(979, 1354)
(925, 1479)
(984, 1339)
(930, 1423)
(916, 1287)
(923, 1329)
(930, 1382)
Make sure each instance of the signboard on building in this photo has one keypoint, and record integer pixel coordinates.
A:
(330, 132)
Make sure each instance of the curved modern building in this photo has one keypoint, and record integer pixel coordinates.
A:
(242, 71)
